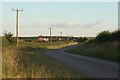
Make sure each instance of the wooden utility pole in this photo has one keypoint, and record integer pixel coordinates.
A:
(61, 34)
(50, 37)
(17, 11)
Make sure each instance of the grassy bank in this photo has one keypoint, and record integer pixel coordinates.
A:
(105, 50)
(28, 61)
(4, 41)
(59, 45)
(0, 40)
(0, 57)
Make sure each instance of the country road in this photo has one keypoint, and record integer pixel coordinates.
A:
(92, 67)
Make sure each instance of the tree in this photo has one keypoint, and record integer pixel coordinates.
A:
(115, 35)
(85, 39)
(8, 36)
(103, 36)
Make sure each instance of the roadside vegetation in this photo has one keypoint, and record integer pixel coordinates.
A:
(27, 60)
(0, 40)
(104, 46)
(0, 57)
(57, 45)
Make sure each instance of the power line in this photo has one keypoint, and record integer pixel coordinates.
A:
(17, 11)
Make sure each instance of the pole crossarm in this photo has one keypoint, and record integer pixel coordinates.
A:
(16, 9)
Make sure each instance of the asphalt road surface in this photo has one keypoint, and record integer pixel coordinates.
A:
(92, 67)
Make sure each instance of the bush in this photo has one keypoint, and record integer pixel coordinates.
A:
(8, 36)
(115, 35)
(103, 36)
(81, 39)
(107, 36)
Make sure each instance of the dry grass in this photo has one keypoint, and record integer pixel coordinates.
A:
(61, 45)
(28, 61)
(9, 60)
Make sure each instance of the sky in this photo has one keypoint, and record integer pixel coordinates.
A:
(70, 18)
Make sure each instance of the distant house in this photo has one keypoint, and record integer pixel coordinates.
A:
(60, 39)
(42, 38)
(46, 39)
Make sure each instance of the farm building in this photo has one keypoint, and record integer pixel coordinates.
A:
(43, 38)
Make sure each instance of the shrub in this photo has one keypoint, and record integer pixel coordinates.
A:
(107, 36)
(115, 35)
(103, 36)
(8, 36)
(81, 39)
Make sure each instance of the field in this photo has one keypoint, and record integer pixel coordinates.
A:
(29, 61)
(105, 50)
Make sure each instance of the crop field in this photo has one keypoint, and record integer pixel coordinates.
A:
(29, 61)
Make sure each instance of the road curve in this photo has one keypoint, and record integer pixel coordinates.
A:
(92, 67)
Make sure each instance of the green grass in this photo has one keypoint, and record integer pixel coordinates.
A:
(59, 45)
(4, 41)
(28, 61)
(0, 57)
(106, 50)
(0, 40)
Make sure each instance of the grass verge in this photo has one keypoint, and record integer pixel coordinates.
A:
(28, 61)
(106, 50)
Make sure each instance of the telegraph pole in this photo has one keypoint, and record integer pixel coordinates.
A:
(50, 37)
(61, 34)
(17, 11)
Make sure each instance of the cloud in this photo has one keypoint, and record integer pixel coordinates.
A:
(66, 25)
(78, 25)
(93, 25)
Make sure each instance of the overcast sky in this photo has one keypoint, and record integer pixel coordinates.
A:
(71, 18)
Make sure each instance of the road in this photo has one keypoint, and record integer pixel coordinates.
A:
(92, 67)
